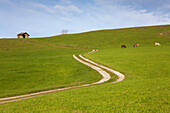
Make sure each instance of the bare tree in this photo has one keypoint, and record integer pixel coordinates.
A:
(64, 31)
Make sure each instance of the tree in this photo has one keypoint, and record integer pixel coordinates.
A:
(64, 31)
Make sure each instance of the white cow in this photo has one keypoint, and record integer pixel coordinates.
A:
(157, 44)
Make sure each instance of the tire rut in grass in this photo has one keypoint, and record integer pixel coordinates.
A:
(103, 70)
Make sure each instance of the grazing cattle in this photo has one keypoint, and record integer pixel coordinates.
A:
(136, 45)
(157, 44)
(123, 46)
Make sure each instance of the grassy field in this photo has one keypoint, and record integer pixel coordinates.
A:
(27, 68)
(145, 89)
(145, 36)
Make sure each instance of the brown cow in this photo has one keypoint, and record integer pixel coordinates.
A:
(123, 46)
(136, 45)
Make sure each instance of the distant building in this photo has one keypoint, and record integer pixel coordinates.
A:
(23, 35)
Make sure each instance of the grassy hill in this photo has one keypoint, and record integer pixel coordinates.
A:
(29, 67)
(145, 36)
(145, 89)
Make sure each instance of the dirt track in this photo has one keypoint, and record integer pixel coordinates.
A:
(99, 68)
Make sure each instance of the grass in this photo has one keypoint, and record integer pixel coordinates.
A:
(40, 67)
(145, 36)
(145, 88)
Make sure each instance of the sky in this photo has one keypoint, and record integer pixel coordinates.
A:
(42, 18)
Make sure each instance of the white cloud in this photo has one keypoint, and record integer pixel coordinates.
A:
(130, 14)
(143, 11)
(74, 9)
(167, 6)
(42, 6)
(66, 9)
(44, 20)
(69, 8)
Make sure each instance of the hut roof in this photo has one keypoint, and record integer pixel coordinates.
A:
(23, 33)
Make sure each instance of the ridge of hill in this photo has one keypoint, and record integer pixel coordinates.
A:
(145, 36)
(45, 63)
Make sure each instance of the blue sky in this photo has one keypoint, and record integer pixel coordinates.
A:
(42, 18)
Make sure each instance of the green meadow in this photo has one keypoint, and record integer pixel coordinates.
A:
(146, 68)
(145, 36)
(28, 68)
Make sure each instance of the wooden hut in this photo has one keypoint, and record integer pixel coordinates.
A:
(23, 35)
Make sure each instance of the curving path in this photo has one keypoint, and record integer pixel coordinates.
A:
(98, 67)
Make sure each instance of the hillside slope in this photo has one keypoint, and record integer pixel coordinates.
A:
(145, 36)
(145, 89)
(26, 67)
